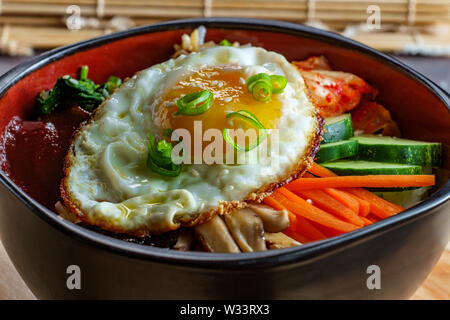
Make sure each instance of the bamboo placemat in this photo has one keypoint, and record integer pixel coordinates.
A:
(407, 25)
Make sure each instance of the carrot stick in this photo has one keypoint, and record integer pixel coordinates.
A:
(305, 228)
(271, 202)
(296, 236)
(329, 232)
(364, 206)
(344, 198)
(373, 218)
(297, 224)
(308, 175)
(370, 181)
(292, 222)
(300, 207)
(366, 221)
(329, 204)
(320, 171)
(378, 206)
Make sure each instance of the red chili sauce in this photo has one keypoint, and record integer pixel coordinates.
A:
(32, 152)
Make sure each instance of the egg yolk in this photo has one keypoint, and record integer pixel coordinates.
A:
(228, 85)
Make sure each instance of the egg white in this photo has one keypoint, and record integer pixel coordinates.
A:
(107, 183)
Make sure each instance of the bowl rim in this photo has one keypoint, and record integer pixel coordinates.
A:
(272, 258)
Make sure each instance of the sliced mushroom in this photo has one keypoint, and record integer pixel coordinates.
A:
(215, 237)
(247, 229)
(185, 241)
(274, 221)
(279, 240)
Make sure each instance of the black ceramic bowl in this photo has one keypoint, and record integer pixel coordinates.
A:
(405, 247)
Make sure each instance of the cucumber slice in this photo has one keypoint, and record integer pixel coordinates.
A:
(395, 150)
(336, 150)
(338, 128)
(362, 168)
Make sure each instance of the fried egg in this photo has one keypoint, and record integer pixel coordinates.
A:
(107, 182)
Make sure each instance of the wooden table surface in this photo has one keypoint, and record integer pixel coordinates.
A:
(436, 286)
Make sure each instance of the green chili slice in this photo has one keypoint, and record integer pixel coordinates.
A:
(159, 158)
(194, 103)
(251, 119)
(278, 83)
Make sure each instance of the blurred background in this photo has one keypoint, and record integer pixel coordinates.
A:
(402, 26)
(415, 31)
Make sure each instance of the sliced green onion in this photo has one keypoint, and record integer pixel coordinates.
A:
(247, 114)
(84, 72)
(173, 170)
(260, 85)
(225, 43)
(251, 119)
(262, 91)
(258, 77)
(165, 148)
(278, 83)
(159, 158)
(113, 82)
(160, 152)
(194, 103)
